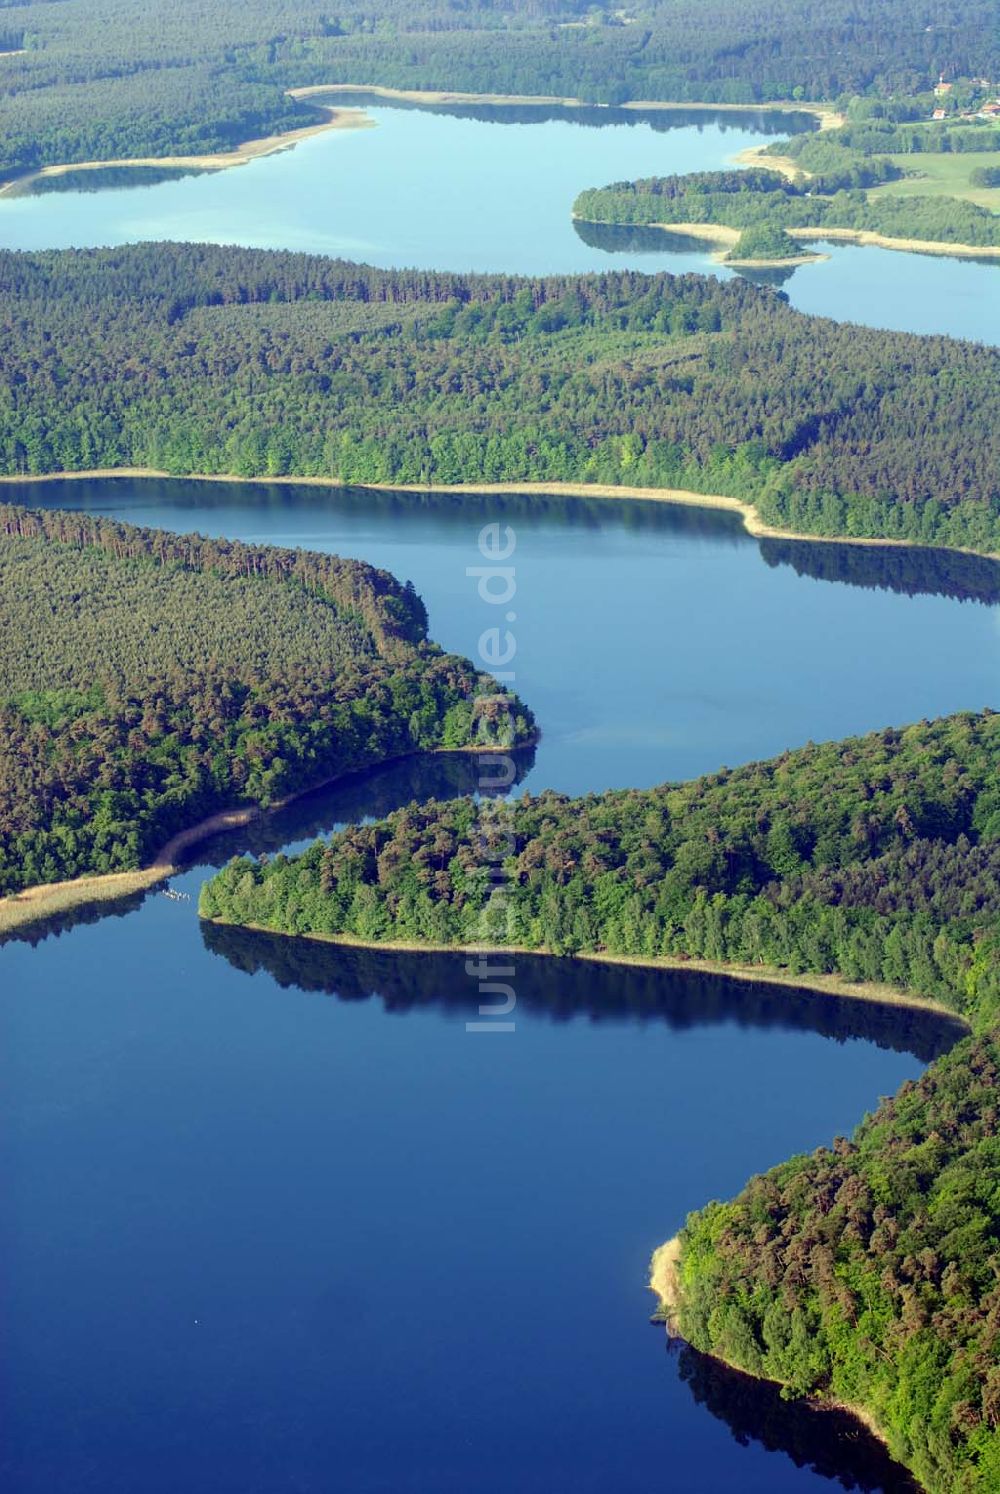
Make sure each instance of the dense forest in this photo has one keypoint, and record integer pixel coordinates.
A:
(106, 79)
(877, 858)
(824, 180)
(764, 243)
(868, 1273)
(761, 199)
(217, 360)
(148, 680)
(865, 1273)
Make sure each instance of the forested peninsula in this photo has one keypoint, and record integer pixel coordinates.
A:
(148, 680)
(887, 171)
(756, 200)
(224, 361)
(875, 859)
(115, 79)
(867, 1273)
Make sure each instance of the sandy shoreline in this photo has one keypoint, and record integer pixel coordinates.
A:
(790, 261)
(752, 521)
(761, 975)
(48, 898)
(908, 246)
(721, 233)
(828, 116)
(664, 1282)
(727, 238)
(349, 118)
(250, 150)
(754, 155)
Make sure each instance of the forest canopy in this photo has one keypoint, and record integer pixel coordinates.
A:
(840, 178)
(867, 1273)
(876, 858)
(770, 201)
(148, 680)
(764, 243)
(197, 359)
(109, 79)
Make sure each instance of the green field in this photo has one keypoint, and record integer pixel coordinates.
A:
(944, 175)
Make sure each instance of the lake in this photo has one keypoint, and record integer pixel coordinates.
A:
(492, 189)
(275, 1220)
(654, 641)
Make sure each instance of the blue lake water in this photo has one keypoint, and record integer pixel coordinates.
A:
(274, 1221)
(482, 189)
(654, 641)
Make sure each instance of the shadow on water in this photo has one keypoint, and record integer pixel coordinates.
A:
(592, 116)
(61, 923)
(908, 572)
(916, 571)
(830, 1443)
(661, 121)
(644, 238)
(105, 179)
(774, 276)
(850, 246)
(377, 505)
(369, 795)
(564, 989)
(639, 238)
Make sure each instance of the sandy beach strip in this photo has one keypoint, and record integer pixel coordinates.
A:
(250, 150)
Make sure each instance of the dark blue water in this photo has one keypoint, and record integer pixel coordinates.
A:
(276, 1221)
(493, 189)
(261, 1238)
(654, 641)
